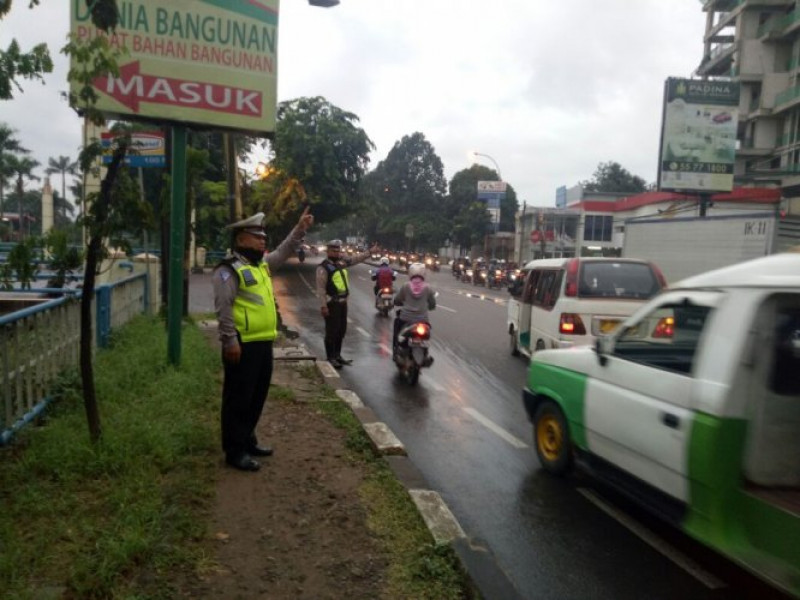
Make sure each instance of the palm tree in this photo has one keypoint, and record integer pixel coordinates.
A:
(63, 165)
(9, 148)
(22, 168)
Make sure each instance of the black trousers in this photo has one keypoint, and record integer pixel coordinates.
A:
(335, 328)
(244, 392)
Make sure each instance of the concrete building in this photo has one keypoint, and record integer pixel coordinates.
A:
(595, 225)
(757, 43)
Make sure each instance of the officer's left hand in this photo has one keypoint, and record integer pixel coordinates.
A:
(306, 220)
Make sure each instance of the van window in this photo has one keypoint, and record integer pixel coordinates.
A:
(785, 379)
(666, 338)
(609, 279)
(547, 289)
(530, 286)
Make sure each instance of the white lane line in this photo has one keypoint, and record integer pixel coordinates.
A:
(495, 428)
(385, 348)
(363, 332)
(647, 536)
(308, 285)
(446, 308)
(434, 385)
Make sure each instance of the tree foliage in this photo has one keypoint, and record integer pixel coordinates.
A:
(612, 177)
(319, 146)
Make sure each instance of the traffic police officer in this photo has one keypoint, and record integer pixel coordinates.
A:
(333, 288)
(245, 307)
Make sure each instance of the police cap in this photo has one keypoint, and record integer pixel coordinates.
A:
(334, 244)
(253, 225)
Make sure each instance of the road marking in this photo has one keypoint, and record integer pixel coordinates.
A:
(363, 332)
(495, 428)
(385, 348)
(446, 308)
(308, 285)
(647, 536)
(434, 385)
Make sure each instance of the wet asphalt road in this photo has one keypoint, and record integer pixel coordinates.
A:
(464, 427)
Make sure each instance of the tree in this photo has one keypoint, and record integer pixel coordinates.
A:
(63, 165)
(410, 187)
(10, 147)
(63, 260)
(612, 177)
(22, 169)
(320, 146)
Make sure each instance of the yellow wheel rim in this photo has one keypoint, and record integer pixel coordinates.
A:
(549, 437)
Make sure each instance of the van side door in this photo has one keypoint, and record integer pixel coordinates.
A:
(525, 302)
(638, 403)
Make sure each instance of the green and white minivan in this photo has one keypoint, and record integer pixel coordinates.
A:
(692, 407)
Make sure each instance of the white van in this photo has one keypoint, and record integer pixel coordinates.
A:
(564, 302)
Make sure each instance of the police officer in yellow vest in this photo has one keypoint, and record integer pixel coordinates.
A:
(333, 288)
(245, 306)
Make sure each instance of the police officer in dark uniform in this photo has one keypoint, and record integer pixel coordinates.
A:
(333, 288)
(245, 306)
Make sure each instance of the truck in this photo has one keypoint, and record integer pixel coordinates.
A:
(685, 246)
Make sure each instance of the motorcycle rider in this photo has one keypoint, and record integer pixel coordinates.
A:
(415, 298)
(383, 277)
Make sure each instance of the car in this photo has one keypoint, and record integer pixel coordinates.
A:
(562, 302)
(691, 407)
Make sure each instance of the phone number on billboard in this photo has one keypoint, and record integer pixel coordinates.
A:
(699, 167)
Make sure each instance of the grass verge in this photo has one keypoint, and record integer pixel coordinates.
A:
(113, 519)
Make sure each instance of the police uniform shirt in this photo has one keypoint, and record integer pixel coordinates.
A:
(322, 275)
(226, 284)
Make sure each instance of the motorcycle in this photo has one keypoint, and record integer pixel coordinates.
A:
(496, 279)
(301, 255)
(384, 300)
(412, 354)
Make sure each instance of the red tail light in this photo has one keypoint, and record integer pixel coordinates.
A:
(571, 324)
(572, 278)
(665, 328)
(386, 290)
(421, 329)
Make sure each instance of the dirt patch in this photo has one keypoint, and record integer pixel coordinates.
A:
(296, 528)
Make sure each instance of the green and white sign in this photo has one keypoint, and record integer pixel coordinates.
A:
(206, 62)
(698, 138)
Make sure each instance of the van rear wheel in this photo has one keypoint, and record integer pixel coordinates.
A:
(551, 437)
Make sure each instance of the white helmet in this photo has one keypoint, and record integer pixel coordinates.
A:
(416, 270)
(384, 260)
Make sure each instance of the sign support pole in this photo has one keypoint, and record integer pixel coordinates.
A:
(177, 237)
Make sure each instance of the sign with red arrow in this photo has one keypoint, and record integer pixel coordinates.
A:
(133, 87)
(206, 62)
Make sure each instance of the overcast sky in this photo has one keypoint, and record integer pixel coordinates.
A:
(548, 89)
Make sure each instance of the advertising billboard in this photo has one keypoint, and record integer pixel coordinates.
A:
(148, 149)
(698, 135)
(205, 62)
(492, 192)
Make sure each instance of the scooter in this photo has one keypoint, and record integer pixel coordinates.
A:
(412, 354)
(384, 300)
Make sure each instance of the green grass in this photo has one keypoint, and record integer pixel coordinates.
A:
(113, 520)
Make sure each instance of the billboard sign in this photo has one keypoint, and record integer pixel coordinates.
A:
(698, 135)
(205, 62)
(492, 192)
(148, 149)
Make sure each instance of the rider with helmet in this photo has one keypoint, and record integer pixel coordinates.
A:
(415, 299)
(384, 276)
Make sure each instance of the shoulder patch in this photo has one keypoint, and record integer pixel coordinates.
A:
(224, 274)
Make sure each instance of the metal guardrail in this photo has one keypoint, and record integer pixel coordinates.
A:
(40, 342)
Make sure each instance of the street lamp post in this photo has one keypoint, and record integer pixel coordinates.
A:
(496, 166)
